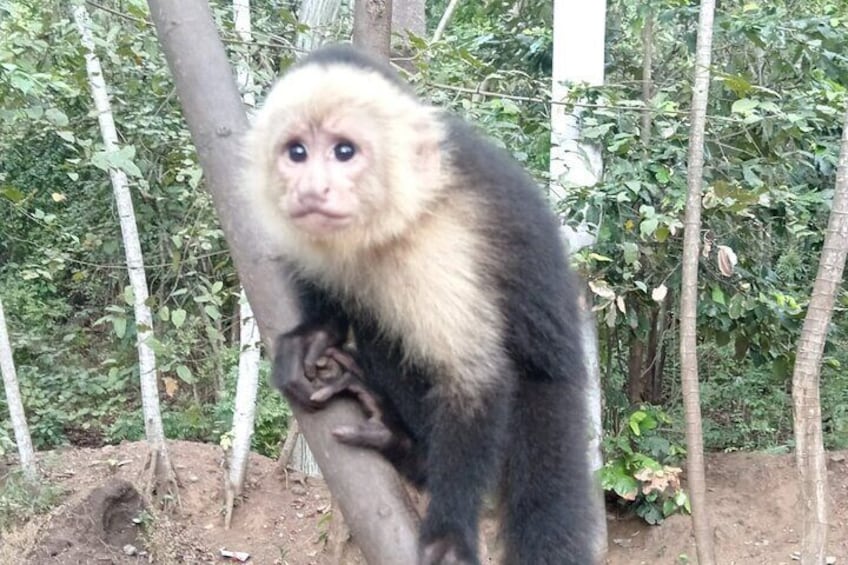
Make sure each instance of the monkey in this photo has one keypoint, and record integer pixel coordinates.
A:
(403, 224)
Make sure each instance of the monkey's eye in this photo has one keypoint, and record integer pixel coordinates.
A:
(297, 152)
(344, 151)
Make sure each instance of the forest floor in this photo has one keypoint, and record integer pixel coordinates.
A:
(285, 520)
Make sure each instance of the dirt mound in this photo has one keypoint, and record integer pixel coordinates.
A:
(287, 519)
(103, 528)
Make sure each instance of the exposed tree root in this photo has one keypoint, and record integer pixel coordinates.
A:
(161, 484)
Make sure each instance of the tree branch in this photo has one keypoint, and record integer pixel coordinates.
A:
(368, 491)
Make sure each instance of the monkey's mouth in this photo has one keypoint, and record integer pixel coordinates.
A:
(318, 221)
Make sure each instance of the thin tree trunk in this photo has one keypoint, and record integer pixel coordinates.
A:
(13, 401)
(161, 473)
(809, 447)
(380, 517)
(647, 76)
(445, 20)
(372, 26)
(579, 57)
(244, 410)
(316, 15)
(635, 369)
(689, 290)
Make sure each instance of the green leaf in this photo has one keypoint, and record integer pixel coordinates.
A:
(178, 317)
(648, 226)
(120, 326)
(631, 252)
(744, 106)
(11, 193)
(212, 311)
(185, 375)
(718, 295)
(56, 117)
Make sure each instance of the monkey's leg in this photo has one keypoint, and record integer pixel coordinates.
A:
(464, 457)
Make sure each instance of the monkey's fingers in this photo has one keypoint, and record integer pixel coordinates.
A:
(369, 402)
(315, 347)
(331, 387)
(301, 390)
(373, 434)
(344, 359)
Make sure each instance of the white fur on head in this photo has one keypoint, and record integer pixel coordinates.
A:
(405, 160)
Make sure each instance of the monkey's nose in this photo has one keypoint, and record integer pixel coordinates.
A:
(313, 196)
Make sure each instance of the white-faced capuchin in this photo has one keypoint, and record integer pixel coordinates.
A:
(404, 225)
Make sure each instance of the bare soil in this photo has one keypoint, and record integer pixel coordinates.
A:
(287, 519)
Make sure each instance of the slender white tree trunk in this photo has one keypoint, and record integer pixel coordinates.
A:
(809, 446)
(249, 353)
(445, 20)
(579, 30)
(160, 466)
(13, 400)
(689, 290)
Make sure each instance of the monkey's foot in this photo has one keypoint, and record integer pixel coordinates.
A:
(444, 551)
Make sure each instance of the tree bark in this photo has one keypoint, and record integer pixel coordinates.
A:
(689, 290)
(316, 15)
(372, 26)
(13, 401)
(369, 492)
(647, 77)
(160, 469)
(408, 17)
(244, 411)
(809, 446)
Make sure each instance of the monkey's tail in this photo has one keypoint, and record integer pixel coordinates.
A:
(550, 507)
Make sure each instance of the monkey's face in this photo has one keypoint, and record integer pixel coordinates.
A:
(322, 171)
(341, 160)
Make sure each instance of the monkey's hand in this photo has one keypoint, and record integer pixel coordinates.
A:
(299, 357)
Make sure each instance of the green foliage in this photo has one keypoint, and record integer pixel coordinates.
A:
(641, 466)
(21, 499)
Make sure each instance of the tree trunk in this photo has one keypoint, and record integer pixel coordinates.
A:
(13, 401)
(579, 57)
(408, 17)
(316, 15)
(647, 78)
(372, 26)
(381, 518)
(689, 290)
(445, 20)
(247, 383)
(161, 473)
(635, 369)
(244, 409)
(809, 447)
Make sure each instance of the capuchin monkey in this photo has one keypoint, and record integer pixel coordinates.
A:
(405, 226)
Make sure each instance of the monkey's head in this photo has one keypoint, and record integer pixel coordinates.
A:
(342, 156)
